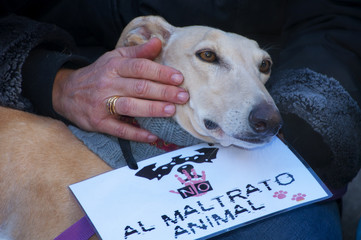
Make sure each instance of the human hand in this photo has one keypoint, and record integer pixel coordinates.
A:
(145, 89)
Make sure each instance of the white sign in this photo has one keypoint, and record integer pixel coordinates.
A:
(197, 192)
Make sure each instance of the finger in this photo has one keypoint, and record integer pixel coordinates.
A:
(146, 69)
(123, 130)
(136, 62)
(143, 108)
(150, 90)
(149, 50)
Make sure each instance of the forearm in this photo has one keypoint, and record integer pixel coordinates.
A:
(22, 41)
(39, 72)
(324, 36)
(316, 87)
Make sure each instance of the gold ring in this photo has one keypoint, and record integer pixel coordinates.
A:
(111, 104)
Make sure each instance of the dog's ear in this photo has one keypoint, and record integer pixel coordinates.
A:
(141, 29)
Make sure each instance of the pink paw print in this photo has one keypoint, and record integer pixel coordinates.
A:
(280, 194)
(299, 197)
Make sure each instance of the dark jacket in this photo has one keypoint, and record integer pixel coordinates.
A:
(315, 45)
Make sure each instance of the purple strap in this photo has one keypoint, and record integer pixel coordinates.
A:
(81, 230)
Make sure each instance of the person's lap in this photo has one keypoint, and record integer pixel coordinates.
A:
(316, 221)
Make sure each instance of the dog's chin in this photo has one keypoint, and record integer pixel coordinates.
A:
(220, 137)
(226, 140)
(246, 143)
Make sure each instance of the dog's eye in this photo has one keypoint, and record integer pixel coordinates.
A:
(265, 66)
(210, 125)
(207, 55)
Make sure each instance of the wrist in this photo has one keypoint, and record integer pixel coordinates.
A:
(59, 86)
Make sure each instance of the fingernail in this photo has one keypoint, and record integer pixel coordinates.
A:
(177, 78)
(170, 109)
(152, 138)
(183, 96)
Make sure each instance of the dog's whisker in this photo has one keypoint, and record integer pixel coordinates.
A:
(270, 47)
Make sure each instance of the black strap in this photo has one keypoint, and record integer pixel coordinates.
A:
(127, 153)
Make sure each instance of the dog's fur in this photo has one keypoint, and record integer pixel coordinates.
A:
(40, 158)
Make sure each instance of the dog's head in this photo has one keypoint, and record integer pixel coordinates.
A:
(224, 74)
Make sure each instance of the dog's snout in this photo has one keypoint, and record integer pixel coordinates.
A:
(265, 119)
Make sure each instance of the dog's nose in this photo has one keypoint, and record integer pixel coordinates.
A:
(265, 119)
